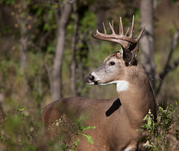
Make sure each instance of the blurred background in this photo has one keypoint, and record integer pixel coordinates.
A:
(47, 50)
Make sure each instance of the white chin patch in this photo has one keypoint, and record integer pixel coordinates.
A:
(92, 83)
(121, 85)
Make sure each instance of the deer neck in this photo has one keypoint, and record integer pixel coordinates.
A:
(136, 95)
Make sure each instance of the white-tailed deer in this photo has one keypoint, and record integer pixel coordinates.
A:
(116, 120)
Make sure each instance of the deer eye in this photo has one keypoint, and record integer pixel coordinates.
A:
(112, 63)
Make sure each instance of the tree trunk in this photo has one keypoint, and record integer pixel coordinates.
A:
(57, 68)
(73, 63)
(24, 64)
(23, 51)
(101, 8)
(147, 40)
(100, 18)
(2, 114)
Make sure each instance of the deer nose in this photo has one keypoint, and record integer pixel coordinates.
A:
(90, 78)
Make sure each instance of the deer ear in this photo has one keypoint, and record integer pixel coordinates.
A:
(127, 55)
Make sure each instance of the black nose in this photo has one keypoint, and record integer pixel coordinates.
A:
(91, 77)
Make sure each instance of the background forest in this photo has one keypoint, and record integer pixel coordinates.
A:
(47, 51)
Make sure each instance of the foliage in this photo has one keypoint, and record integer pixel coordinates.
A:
(68, 132)
(163, 134)
(21, 131)
(17, 131)
(8, 2)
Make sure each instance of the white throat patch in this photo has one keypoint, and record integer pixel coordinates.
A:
(121, 85)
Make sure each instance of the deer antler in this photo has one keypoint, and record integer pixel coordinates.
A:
(122, 39)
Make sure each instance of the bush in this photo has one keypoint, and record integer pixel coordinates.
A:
(23, 132)
(162, 135)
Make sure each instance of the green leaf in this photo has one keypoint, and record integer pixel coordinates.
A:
(145, 117)
(88, 127)
(21, 108)
(162, 110)
(88, 138)
(149, 121)
(76, 142)
(39, 11)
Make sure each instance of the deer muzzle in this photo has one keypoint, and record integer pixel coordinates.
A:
(90, 79)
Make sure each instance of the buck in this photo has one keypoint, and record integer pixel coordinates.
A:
(116, 120)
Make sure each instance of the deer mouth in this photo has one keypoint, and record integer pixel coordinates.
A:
(90, 79)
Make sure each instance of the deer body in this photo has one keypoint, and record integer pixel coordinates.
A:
(116, 120)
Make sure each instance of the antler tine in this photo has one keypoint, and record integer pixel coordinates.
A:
(140, 34)
(112, 28)
(112, 24)
(104, 28)
(121, 31)
(127, 31)
(132, 27)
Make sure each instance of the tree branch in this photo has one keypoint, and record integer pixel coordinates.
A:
(168, 67)
(173, 65)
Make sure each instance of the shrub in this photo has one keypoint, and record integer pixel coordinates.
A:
(23, 132)
(162, 135)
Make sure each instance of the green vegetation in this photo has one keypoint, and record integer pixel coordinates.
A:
(22, 132)
(163, 134)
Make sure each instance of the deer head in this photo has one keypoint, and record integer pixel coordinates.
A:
(112, 70)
